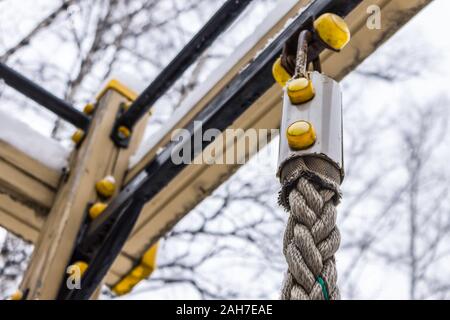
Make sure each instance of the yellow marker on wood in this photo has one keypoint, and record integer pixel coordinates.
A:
(106, 187)
(78, 136)
(18, 295)
(96, 209)
(89, 109)
(124, 132)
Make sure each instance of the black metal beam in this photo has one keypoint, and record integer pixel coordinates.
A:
(222, 111)
(46, 99)
(199, 43)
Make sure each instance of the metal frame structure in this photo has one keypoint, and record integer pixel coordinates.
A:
(46, 99)
(104, 238)
(100, 241)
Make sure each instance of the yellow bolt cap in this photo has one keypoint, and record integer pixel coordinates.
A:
(333, 30)
(96, 209)
(300, 90)
(106, 187)
(300, 135)
(18, 295)
(89, 108)
(124, 132)
(78, 136)
(279, 73)
(125, 106)
(125, 285)
(81, 265)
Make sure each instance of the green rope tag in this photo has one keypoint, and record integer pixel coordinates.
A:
(324, 288)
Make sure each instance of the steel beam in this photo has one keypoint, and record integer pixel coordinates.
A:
(201, 41)
(43, 97)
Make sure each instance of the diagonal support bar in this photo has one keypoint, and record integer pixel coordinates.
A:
(43, 97)
(223, 110)
(201, 41)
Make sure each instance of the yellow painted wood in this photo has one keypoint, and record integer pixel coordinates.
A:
(96, 158)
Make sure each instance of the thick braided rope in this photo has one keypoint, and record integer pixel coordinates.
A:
(310, 193)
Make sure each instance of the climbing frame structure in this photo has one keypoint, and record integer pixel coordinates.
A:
(54, 207)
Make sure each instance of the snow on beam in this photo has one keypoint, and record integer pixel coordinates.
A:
(31, 164)
(48, 152)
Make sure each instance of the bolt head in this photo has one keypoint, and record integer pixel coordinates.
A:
(332, 30)
(279, 73)
(106, 187)
(97, 209)
(123, 132)
(300, 90)
(78, 136)
(18, 295)
(89, 109)
(300, 135)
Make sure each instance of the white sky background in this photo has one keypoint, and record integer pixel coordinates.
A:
(375, 100)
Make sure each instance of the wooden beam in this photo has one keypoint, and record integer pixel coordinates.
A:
(19, 219)
(27, 191)
(26, 179)
(96, 158)
(198, 181)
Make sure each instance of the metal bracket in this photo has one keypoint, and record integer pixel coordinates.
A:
(130, 95)
(314, 44)
(325, 113)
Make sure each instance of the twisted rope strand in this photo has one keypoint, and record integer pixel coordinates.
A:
(311, 238)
